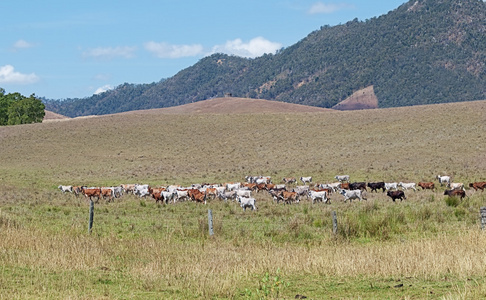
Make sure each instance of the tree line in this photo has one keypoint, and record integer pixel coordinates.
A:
(17, 109)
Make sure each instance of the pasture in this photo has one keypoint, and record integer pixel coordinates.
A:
(428, 246)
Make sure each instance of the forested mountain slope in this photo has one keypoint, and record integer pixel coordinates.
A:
(423, 52)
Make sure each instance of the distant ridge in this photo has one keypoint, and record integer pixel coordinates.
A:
(234, 105)
(52, 117)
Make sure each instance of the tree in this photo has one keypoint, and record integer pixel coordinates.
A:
(17, 109)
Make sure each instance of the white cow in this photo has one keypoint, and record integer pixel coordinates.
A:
(318, 196)
(306, 179)
(227, 195)
(66, 188)
(233, 186)
(342, 178)
(391, 185)
(457, 186)
(301, 190)
(247, 202)
(407, 186)
(142, 190)
(243, 193)
(352, 194)
(181, 195)
(169, 196)
(444, 179)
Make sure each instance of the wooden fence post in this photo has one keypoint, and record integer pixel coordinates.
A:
(91, 213)
(334, 223)
(482, 212)
(210, 222)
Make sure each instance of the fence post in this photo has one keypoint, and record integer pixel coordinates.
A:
(482, 212)
(334, 222)
(210, 222)
(91, 213)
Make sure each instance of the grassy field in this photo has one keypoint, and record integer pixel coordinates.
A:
(428, 246)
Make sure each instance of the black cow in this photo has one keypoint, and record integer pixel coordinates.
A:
(357, 186)
(375, 186)
(455, 193)
(396, 195)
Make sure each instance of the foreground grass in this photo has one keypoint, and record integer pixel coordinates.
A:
(417, 248)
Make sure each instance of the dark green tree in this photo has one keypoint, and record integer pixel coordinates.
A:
(17, 109)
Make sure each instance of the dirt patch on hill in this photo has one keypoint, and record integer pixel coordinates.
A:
(362, 99)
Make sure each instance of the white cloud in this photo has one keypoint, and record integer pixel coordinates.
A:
(323, 8)
(9, 76)
(110, 52)
(22, 44)
(103, 89)
(164, 50)
(254, 48)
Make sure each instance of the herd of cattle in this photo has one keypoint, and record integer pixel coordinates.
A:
(288, 192)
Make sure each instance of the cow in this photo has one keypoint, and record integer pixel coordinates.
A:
(128, 188)
(457, 186)
(117, 191)
(396, 195)
(444, 179)
(342, 178)
(345, 186)
(77, 190)
(227, 195)
(158, 196)
(232, 186)
(142, 190)
(92, 193)
(426, 185)
(375, 186)
(478, 185)
(263, 179)
(391, 185)
(243, 193)
(301, 190)
(288, 197)
(211, 192)
(168, 196)
(107, 192)
(319, 196)
(352, 194)
(181, 195)
(455, 193)
(334, 187)
(246, 202)
(306, 179)
(357, 186)
(197, 196)
(406, 186)
(289, 180)
(66, 188)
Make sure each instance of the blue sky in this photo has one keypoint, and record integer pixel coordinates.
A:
(73, 49)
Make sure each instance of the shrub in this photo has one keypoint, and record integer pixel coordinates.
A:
(452, 201)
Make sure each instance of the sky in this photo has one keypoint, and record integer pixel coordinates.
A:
(58, 49)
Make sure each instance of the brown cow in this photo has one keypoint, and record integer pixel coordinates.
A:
(196, 195)
(475, 185)
(455, 193)
(289, 180)
(92, 192)
(158, 196)
(213, 192)
(426, 185)
(107, 193)
(345, 186)
(288, 197)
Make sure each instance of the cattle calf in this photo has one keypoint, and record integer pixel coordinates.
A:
(352, 194)
(426, 185)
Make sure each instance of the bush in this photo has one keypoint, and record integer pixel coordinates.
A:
(452, 201)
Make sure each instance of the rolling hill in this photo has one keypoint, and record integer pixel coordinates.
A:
(423, 52)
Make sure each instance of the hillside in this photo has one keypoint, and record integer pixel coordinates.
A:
(233, 105)
(423, 52)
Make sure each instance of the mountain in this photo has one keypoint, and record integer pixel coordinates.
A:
(423, 52)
